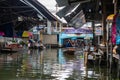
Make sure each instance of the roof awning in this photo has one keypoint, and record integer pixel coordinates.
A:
(65, 10)
(41, 9)
(11, 9)
(73, 13)
(69, 2)
(78, 21)
(91, 9)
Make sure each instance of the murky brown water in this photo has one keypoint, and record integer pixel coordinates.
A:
(51, 64)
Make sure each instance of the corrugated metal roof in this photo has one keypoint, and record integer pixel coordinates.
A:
(69, 2)
(41, 9)
(61, 13)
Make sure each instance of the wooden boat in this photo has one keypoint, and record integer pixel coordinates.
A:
(69, 50)
(12, 47)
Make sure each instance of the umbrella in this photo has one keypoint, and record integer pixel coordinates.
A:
(110, 17)
(27, 34)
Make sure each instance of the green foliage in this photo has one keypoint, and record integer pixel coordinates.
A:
(22, 43)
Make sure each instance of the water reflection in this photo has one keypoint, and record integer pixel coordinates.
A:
(51, 64)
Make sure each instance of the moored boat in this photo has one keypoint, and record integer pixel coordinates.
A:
(69, 50)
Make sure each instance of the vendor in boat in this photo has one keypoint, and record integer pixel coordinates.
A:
(72, 43)
(41, 45)
(68, 43)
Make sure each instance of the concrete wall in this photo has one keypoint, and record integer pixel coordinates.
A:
(50, 39)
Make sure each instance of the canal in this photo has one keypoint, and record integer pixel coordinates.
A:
(51, 64)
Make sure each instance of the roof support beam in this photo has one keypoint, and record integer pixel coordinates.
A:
(80, 1)
(15, 7)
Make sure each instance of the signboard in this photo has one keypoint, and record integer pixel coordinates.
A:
(98, 31)
(63, 35)
(75, 31)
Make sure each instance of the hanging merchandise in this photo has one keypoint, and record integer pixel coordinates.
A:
(113, 35)
(118, 29)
